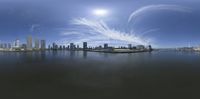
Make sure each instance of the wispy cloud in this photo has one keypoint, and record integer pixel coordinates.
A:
(149, 8)
(34, 27)
(102, 29)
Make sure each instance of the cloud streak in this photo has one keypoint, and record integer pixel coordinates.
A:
(97, 31)
(102, 29)
(149, 8)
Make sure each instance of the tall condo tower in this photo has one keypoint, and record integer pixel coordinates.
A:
(37, 44)
(43, 44)
(29, 43)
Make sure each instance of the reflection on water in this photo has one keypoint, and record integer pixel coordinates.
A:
(84, 54)
(91, 75)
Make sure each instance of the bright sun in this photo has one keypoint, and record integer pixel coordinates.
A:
(100, 12)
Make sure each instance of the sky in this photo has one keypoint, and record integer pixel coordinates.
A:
(160, 23)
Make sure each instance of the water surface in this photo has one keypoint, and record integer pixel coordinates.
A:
(91, 75)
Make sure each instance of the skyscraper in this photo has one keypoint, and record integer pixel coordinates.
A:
(37, 44)
(29, 43)
(105, 46)
(54, 46)
(24, 46)
(43, 44)
(49, 47)
(1, 45)
(17, 43)
(5, 46)
(9, 46)
(72, 46)
(84, 45)
(130, 46)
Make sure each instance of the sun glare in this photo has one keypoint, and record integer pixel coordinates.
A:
(100, 12)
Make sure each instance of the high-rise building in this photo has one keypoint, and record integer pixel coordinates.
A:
(150, 48)
(54, 46)
(60, 47)
(37, 44)
(77, 47)
(140, 47)
(17, 43)
(5, 46)
(105, 46)
(130, 46)
(1, 45)
(72, 46)
(68, 47)
(29, 43)
(43, 44)
(84, 45)
(9, 46)
(24, 46)
(49, 47)
(64, 47)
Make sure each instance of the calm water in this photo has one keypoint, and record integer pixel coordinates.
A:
(90, 75)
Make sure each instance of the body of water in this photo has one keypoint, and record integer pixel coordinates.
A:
(91, 75)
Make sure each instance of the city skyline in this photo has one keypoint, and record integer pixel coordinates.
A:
(162, 24)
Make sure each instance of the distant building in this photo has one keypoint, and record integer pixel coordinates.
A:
(9, 46)
(17, 43)
(63, 47)
(1, 45)
(37, 44)
(84, 45)
(105, 46)
(134, 47)
(150, 48)
(77, 47)
(60, 48)
(130, 46)
(49, 47)
(68, 47)
(43, 44)
(140, 47)
(29, 43)
(24, 46)
(72, 46)
(5, 46)
(54, 46)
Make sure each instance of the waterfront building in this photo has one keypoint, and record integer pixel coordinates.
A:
(60, 48)
(68, 47)
(5, 46)
(63, 47)
(49, 47)
(37, 44)
(43, 44)
(134, 47)
(150, 48)
(1, 45)
(130, 46)
(84, 45)
(72, 46)
(77, 47)
(54, 46)
(29, 43)
(24, 46)
(9, 46)
(140, 47)
(105, 46)
(17, 43)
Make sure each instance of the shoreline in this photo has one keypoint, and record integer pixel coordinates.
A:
(100, 51)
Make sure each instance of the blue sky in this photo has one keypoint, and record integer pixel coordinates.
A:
(174, 23)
